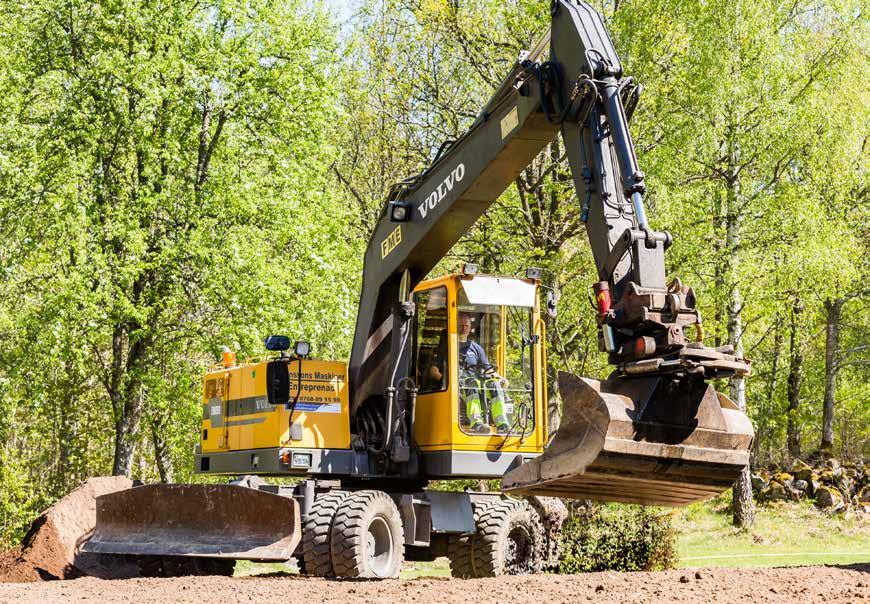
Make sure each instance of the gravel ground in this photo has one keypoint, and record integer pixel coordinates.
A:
(800, 584)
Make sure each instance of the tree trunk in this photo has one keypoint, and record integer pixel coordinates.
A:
(833, 312)
(761, 446)
(161, 453)
(795, 375)
(742, 501)
(126, 430)
(129, 403)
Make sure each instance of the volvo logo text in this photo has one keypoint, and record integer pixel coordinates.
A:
(438, 194)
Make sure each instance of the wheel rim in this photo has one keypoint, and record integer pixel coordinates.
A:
(519, 557)
(379, 546)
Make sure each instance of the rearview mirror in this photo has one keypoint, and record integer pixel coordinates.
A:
(278, 382)
(276, 343)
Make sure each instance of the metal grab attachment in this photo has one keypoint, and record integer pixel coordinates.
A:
(651, 440)
(201, 520)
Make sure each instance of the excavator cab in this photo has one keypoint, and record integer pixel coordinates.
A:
(478, 361)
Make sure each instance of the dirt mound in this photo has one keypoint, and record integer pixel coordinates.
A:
(48, 550)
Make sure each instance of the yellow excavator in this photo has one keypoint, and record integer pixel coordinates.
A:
(447, 377)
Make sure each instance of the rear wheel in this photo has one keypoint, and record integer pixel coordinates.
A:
(316, 558)
(367, 538)
(507, 542)
(459, 547)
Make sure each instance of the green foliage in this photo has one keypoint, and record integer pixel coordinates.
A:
(162, 194)
(176, 177)
(617, 537)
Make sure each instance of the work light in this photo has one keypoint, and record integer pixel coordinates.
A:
(400, 211)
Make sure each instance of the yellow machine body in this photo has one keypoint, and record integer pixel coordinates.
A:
(237, 414)
(238, 420)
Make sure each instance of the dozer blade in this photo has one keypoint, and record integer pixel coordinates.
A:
(204, 520)
(654, 440)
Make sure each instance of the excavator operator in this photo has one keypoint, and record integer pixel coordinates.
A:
(480, 387)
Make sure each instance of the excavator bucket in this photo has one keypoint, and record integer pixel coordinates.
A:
(202, 520)
(652, 440)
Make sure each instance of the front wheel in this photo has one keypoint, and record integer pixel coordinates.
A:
(367, 538)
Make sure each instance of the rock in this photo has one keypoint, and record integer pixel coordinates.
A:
(758, 482)
(782, 478)
(829, 498)
(773, 492)
(834, 466)
(845, 485)
(814, 484)
(800, 485)
(801, 470)
(684, 579)
(827, 477)
(698, 575)
(864, 495)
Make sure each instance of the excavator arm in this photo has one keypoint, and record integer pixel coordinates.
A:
(650, 329)
(581, 92)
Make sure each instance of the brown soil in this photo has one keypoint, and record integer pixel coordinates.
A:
(48, 551)
(807, 584)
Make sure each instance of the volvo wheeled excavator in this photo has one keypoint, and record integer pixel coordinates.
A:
(447, 376)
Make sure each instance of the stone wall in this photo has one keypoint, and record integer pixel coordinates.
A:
(832, 485)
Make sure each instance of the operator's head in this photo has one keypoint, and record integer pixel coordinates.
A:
(464, 326)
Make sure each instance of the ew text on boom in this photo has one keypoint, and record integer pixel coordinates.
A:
(435, 197)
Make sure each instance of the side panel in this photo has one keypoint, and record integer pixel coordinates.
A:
(245, 420)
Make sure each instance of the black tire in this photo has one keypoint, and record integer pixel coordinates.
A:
(459, 554)
(507, 541)
(316, 560)
(367, 538)
(459, 547)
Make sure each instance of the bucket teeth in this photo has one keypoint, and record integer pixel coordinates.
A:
(650, 440)
(214, 521)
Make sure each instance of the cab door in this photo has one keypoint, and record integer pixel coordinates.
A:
(434, 341)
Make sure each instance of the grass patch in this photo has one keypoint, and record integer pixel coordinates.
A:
(246, 568)
(784, 534)
(440, 567)
(410, 570)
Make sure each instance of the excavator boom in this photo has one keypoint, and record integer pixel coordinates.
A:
(655, 431)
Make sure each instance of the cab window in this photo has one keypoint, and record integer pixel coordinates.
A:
(430, 340)
(495, 350)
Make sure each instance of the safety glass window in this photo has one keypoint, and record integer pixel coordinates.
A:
(495, 369)
(430, 340)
